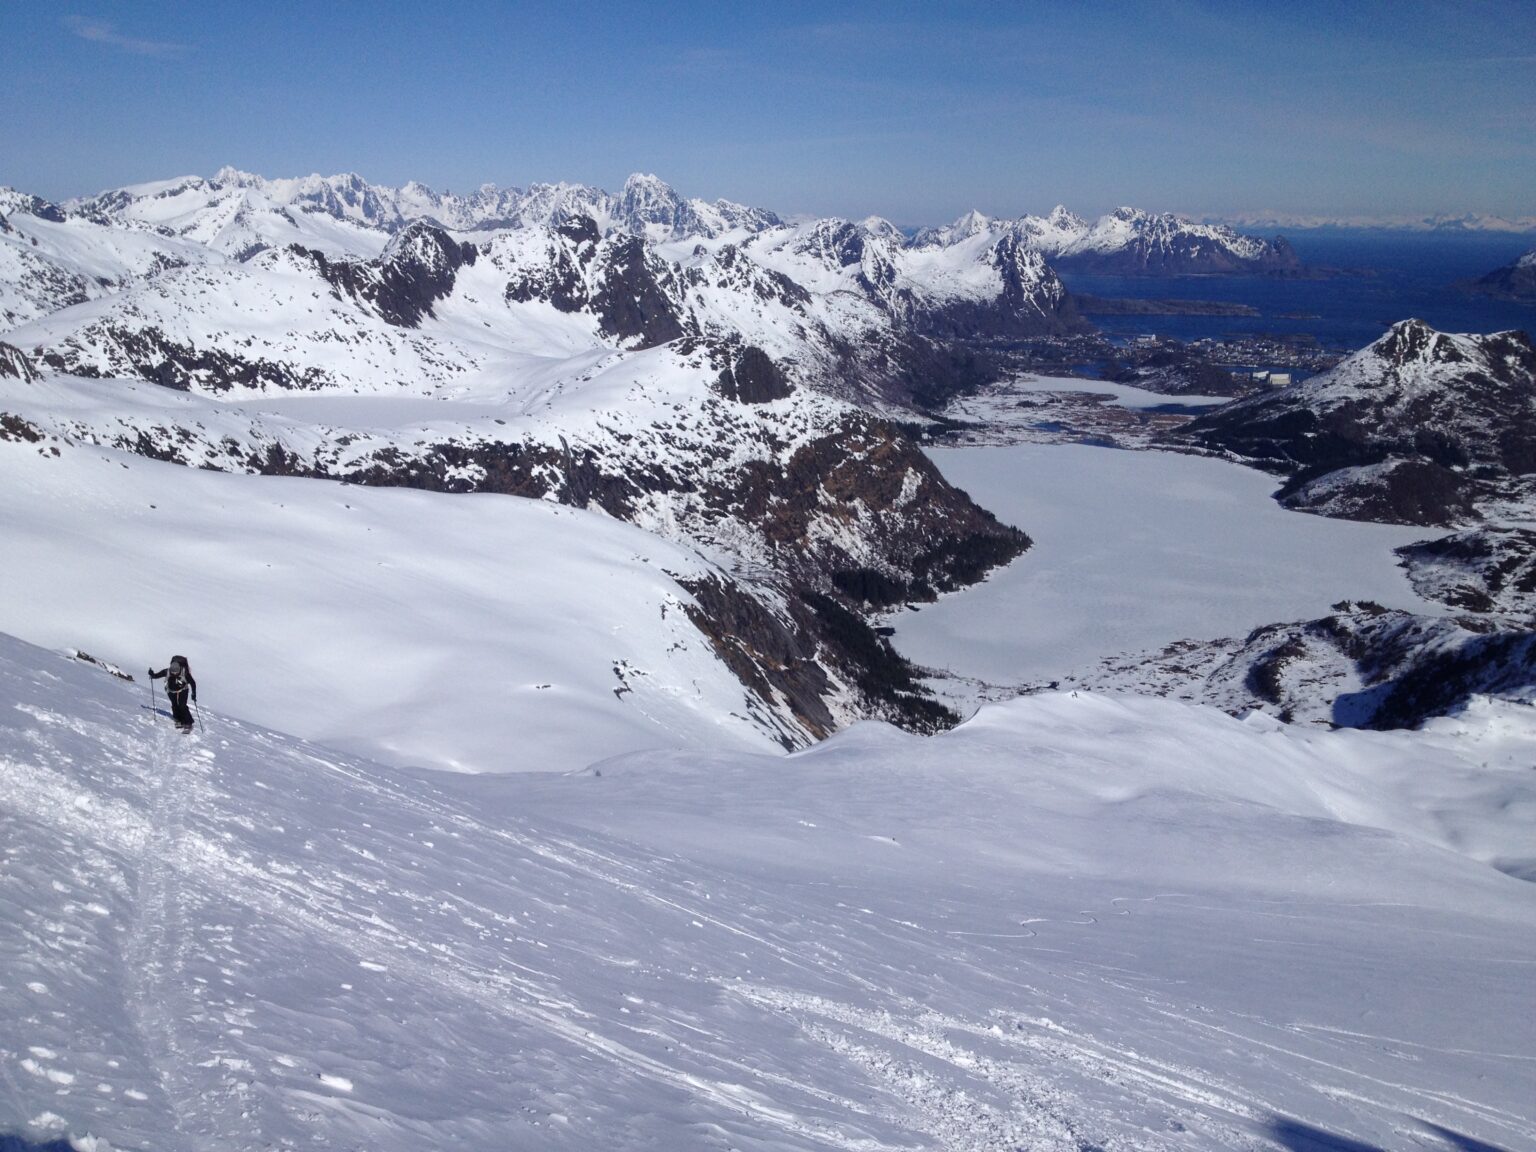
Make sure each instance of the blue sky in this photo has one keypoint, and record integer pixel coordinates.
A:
(913, 111)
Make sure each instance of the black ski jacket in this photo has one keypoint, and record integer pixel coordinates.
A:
(174, 684)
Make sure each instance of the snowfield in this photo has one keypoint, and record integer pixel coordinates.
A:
(1074, 922)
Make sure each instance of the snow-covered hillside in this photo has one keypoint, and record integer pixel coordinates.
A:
(480, 633)
(1074, 922)
(49, 261)
(709, 398)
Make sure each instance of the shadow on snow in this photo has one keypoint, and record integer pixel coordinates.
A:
(1299, 1137)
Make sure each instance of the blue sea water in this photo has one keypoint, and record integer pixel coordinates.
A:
(1386, 277)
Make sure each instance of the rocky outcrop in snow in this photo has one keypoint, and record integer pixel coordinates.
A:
(1364, 666)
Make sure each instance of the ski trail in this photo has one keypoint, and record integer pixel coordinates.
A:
(163, 1004)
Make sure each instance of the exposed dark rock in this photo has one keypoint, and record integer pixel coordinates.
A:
(416, 270)
(769, 652)
(13, 427)
(637, 294)
(871, 587)
(155, 357)
(563, 282)
(15, 364)
(753, 378)
(887, 680)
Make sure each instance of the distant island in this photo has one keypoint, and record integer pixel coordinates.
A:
(1121, 306)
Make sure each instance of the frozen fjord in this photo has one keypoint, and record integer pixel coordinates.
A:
(1134, 550)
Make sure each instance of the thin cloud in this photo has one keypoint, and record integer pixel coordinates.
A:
(104, 32)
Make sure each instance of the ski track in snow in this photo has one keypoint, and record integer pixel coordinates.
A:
(279, 947)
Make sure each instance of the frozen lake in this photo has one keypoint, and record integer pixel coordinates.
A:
(1134, 550)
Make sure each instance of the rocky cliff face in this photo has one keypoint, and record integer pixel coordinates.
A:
(14, 363)
(417, 269)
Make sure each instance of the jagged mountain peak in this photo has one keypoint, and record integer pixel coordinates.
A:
(648, 183)
(1062, 215)
(1413, 354)
(13, 201)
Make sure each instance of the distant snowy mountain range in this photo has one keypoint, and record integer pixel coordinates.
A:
(1444, 222)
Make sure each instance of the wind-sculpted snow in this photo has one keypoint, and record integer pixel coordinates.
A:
(1075, 922)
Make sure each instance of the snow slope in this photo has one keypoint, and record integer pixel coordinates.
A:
(476, 632)
(1075, 922)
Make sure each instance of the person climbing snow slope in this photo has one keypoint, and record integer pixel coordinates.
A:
(178, 682)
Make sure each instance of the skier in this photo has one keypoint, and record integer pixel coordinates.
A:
(178, 680)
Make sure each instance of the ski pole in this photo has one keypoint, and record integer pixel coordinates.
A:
(149, 685)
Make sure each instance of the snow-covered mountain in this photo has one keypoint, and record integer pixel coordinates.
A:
(1440, 222)
(50, 260)
(601, 500)
(240, 212)
(1415, 428)
(1073, 922)
(1515, 281)
(1129, 242)
(1420, 427)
